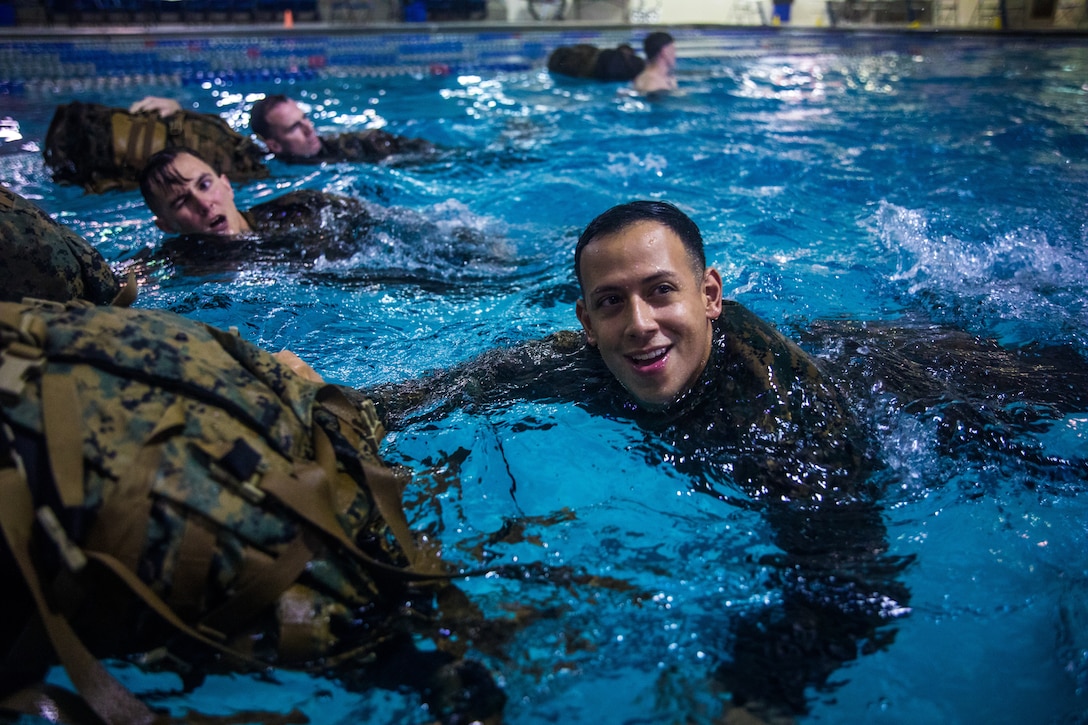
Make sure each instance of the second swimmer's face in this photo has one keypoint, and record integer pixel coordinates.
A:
(202, 202)
(290, 132)
(648, 310)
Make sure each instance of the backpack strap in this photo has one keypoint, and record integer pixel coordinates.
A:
(132, 147)
(105, 695)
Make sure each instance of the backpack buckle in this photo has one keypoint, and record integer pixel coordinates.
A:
(72, 555)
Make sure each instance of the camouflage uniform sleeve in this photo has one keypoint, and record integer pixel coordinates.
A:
(528, 371)
(372, 145)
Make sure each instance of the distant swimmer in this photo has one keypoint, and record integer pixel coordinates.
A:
(660, 72)
(290, 134)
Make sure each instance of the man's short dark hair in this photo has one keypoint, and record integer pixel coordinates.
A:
(159, 173)
(620, 217)
(258, 115)
(654, 42)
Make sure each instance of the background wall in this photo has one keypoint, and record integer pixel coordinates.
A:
(804, 13)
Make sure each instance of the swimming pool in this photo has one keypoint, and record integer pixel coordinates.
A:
(865, 176)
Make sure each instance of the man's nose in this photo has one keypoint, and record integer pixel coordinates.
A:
(202, 204)
(640, 317)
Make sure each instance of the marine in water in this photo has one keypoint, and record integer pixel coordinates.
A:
(745, 410)
(195, 204)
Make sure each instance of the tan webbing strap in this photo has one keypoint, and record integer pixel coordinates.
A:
(121, 523)
(150, 137)
(260, 586)
(49, 703)
(308, 494)
(159, 607)
(189, 580)
(63, 429)
(127, 294)
(384, 486)
(129, 152)
(106, 696)
(146, 134)
(386, 489)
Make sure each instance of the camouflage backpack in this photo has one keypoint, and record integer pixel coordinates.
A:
(587, 61)
(169, 488)
(102, 148)
(46, 260)
(577, 60)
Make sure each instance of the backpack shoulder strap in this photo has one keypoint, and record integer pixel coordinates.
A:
(106, 696)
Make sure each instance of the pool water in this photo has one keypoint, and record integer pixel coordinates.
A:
(834, 176)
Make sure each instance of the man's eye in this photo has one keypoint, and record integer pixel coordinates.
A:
(608, 301)
(664, 289)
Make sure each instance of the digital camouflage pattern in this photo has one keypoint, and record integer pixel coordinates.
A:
(252, 503)
(102, 149)
(760, 403)
(43, 259)
(314, 215)
(368, 146)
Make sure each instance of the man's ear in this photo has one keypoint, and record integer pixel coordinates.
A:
(273, 145)
(587, 324)
(712, 288)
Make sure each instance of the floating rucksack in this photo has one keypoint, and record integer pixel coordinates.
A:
(587, 61)
(46, 260)
(169, 488)
(101, 148)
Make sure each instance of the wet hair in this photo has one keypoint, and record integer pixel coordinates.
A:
(654, 42)
(258, 115)
(159, 174)
(620, 217)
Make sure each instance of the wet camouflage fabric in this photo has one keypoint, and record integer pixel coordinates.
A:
(761, 411)
(45, 260)
(180, 423)
(103, 149)
(306, 212)
(588, 61)
(369, 146)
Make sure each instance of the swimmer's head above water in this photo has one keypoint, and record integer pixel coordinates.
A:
(284, 127)
(648, 299)
(188, 196)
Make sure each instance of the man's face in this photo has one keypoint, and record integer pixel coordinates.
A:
(647, 310)
(203, 203)
(290, 131)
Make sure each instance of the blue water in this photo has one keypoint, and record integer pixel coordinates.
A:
(867, 177)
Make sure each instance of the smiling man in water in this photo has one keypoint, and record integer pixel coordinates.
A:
(660, 345)
(648, 299)
(727, 402)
